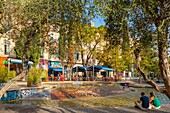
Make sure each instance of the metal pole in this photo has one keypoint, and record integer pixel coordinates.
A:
(77, 70)
(93, 72)
(9, 65)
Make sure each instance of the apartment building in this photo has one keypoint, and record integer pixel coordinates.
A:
(48, 58)
(6, 49)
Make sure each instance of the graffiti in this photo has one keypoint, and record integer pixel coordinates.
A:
(27, 93)
(44, 94)
(2, 85)
(10, 95)
(18, 94)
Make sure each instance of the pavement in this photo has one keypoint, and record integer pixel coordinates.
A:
(32, 109)
(23, 84)
(16, 108)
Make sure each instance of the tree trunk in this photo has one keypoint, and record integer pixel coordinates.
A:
(163, 58)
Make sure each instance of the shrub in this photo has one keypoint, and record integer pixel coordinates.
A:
(119, 78)
(43, 76)
(34, 74)
(5, 75)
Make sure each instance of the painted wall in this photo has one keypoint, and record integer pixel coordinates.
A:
(18, 94)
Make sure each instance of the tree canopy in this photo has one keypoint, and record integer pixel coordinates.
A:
(147, 23)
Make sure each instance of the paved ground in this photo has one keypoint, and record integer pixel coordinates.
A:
(11, 108)
(30, 109)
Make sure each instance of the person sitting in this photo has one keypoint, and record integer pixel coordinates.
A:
(145, 102)
(154, 101)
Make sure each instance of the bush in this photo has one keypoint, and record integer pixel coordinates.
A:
(119, 78)
(34, 74)
(43, 76)
(5, 75)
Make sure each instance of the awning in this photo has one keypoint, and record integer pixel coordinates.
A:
(79, 69)
(54, 63)
(107, 69)
(59, 70)
(98, 68)
(94, 68)
(18, 61)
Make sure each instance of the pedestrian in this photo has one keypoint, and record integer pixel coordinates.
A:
(143, 102)
(154, 101)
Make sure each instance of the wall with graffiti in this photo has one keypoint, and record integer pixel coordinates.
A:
(18, 94)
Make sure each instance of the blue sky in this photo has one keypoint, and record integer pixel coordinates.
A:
(98, 22)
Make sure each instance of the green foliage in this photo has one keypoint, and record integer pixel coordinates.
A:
(35, 75)
(119, 78)
(5, 75)
(149, 61)
(27, 23)
(112, 57)
(90, 35)
(74, 31)
(62, 48)
(118, 53)
(146, 22)
(129, 22)
(32, 54)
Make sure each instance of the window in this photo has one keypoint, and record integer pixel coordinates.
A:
(51, 37)
(6, 47)
(57, 53)
(42, 52)
(76, 56)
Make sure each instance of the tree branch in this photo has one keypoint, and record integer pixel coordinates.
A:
(151, 82)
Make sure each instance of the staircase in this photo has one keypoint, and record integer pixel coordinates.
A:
(10, 83)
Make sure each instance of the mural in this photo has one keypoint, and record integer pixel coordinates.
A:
(2, 85)
(29, 92)
(18, 94)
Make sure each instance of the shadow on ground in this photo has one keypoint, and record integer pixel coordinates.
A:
(32, 109)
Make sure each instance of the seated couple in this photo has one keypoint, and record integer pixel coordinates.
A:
(148, 103)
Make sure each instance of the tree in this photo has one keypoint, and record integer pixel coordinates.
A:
(157, 13)
(149, 61)
(22, 21)
(25, 23)
(89, 38)
(73, 15)
(148, 22)
(33, 18)
(113, 57)
(119, 46)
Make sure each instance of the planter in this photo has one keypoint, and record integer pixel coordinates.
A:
(33, 84)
